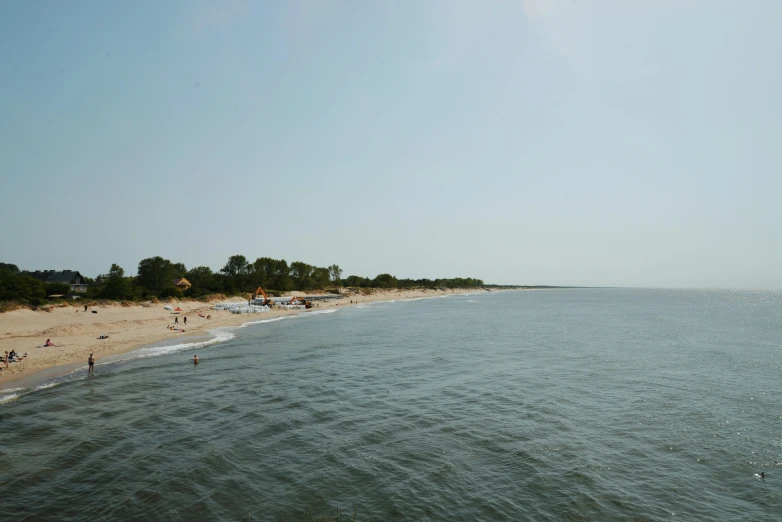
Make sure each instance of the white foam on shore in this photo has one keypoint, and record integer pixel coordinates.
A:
(319, 312)
(8, 398)
(244, 325)
(219, 336)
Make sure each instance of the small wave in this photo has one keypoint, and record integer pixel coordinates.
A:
(220, 336)
(244, 325)
(8, 398)
(318, 312)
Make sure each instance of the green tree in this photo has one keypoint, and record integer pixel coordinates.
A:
(302, 275)
(237, 272)
(357, 281)
(272, 274)
(156, 273)
(117, 285)
(203, 280)
(20, 288)
(263, 270)
(236, 265)
(10, 267)
(385, 281)
(178, 269)
(57, 288)
(321, 277)
(335, 272)
(172, 291)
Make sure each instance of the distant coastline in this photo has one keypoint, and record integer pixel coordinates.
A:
(75, 333)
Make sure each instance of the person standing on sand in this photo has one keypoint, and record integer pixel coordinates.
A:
(85, 308)
(176, 320)
(6, 359)
(185, 320)
(91, 362)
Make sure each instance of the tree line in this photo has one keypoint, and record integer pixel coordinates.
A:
(157, 276)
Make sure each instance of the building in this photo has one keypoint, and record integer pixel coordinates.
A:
(69, 277)
(181, 283)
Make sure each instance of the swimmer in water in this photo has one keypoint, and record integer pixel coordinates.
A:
(195, 359)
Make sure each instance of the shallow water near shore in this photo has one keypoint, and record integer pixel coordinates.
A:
(589, 404)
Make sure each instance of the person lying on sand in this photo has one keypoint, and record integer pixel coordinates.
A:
(48, 343)
(103, 337)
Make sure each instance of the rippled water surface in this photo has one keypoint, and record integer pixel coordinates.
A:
(540, 405)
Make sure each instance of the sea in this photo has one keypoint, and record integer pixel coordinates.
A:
(561, 404)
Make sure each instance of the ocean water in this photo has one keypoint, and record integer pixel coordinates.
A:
(589, 404)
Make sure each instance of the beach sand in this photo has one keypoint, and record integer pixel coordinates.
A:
(75, 332)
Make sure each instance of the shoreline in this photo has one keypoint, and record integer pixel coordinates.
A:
(131, 328)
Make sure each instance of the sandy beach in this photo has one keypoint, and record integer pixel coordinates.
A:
(76, 332)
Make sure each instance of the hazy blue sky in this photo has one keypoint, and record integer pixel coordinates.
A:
(602, 142)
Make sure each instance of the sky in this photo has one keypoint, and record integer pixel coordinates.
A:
(558, 142)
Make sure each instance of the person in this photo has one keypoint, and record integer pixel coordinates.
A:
(195, 359)
(12, 354)
(176, 320)
(185, 320)
(91, 362)
(85, 308)
(6, 359)
(209, 316)
(48, 343)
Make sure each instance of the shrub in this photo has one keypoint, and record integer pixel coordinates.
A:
(57, 288)
(172, 291)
